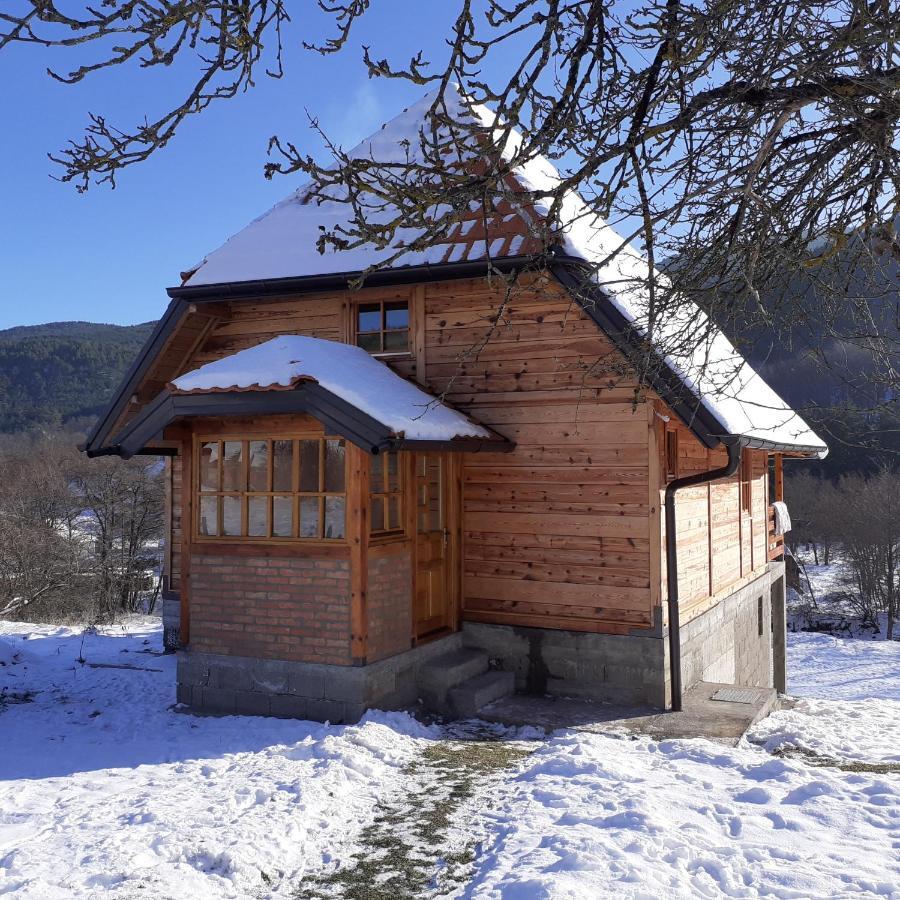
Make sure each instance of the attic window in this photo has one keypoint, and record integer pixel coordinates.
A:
(382, 327)
(671, 455)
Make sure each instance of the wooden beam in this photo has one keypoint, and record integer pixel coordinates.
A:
(779, 476)
(187, 529)
(358, 538)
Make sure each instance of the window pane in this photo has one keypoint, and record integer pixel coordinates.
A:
(393, 512)
(368, 317)
(309, 465)
(208, 515)
(376, 475)
(258, 516)
(282, 516)
(283, 463)
(377, 514)
(258, 473)
(396, 341)
(371, 343)
(334, 466)
(309, 517)
(231, 466)
(334, 517)
(231, 515)
(396, 315)
(209, 466)
(393, 467)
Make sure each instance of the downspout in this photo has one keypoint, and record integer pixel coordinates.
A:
(726, 471)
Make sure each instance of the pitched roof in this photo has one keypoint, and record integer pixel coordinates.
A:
(282, 244)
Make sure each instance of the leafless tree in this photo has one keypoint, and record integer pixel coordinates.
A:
(79, 539)
(743, 144)
(869, 523)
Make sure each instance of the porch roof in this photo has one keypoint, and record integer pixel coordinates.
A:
(350, 392)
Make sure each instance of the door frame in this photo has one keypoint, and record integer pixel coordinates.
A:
(451, 488)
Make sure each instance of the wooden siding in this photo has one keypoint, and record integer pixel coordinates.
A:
(556, 533)
(719, 543)
(566, 531)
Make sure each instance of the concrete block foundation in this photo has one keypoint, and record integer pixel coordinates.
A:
(735, 641)
(241, 685)
(626, 669)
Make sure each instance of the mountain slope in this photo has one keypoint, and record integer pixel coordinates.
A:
(61, 372)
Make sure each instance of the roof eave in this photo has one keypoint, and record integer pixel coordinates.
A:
(342, 280)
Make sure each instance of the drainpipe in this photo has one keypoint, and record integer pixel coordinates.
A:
(726, 471)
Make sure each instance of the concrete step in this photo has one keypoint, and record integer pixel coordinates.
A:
(466, 699)
(439, 675)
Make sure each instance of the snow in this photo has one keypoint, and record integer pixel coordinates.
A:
(282, 243)
(106, 789)
(347, 371)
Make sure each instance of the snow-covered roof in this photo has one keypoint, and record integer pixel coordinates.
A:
(346, 371)
(282, 243)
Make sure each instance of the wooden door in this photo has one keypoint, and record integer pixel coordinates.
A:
(433, 609)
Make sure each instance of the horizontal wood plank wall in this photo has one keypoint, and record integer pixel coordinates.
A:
(719, 544)
(556, 534)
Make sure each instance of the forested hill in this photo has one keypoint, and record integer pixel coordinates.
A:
(63, 372)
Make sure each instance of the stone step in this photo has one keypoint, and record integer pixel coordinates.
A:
(450, 669)
(466, 699)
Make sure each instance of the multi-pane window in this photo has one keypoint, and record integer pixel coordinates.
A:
(385, 494)
(292, 488)
(383, 326)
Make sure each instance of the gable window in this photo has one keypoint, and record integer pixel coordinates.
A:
(285, 489)
(386, 495)
(382, 327)
(671, 455)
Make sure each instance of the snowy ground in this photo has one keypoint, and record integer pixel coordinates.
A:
(106, 791)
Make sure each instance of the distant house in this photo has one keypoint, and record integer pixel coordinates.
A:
(362, 514)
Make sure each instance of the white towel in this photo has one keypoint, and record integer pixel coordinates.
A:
(782, 517)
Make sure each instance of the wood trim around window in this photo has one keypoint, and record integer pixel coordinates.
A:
(298, 499)
(670, 454)
(382, 300)
(390, 497)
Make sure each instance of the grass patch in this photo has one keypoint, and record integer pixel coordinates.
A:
(405, 852)
(845, 765)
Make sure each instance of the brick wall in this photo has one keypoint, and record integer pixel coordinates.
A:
(389, 595)
(285, 608)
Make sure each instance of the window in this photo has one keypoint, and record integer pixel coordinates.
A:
(746, 481)
(671, 455)
(284, 489)
(386, 495)
(383, 326)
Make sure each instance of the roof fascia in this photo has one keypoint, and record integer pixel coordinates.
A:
(164, 327)
(343, 280)
(335, 413)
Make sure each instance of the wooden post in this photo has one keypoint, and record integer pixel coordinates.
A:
(187, 530)
(779, 476)
(655, 481)
(358, 538)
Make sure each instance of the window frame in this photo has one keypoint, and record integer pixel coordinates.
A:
(386, 533)
(381, 303)
(244, 494)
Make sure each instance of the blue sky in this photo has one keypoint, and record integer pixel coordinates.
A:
(108, 255)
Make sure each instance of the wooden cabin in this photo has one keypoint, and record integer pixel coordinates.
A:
(389, 495)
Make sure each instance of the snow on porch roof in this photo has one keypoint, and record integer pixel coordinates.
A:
(347, 372)
(282, 244)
